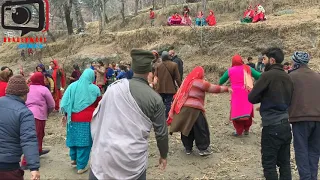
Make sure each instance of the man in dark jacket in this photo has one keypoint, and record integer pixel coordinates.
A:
(304, 115)
(168, 77)
(274, 91)
(177, 60)
(17, 132)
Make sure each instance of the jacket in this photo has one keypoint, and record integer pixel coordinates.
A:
(17, 135)
(273, 90)
(168, 74)
(177, 60)
(3, 86)
(40, 101)
(305, 99)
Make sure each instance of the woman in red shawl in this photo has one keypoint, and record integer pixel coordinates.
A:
(187, 114)
(211, 19)
(59, 82)
(241, 82)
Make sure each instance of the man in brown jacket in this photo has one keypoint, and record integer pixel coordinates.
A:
(304, 114)
(168, 77)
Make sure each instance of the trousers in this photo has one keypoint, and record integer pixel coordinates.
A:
(306, 142)
(199, 133)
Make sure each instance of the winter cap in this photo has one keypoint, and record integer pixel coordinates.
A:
(141, 61)
(300, 57)
(17, 86)
(165, 56)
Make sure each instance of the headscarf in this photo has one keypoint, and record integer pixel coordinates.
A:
(80, 94)
(299, 58)
(237, 61)
(247, 79)
(5, 76)
(37, 79)
(54, 75)
(183, 92)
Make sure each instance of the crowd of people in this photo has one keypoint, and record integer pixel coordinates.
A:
(109, 112)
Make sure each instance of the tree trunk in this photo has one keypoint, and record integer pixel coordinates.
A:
(164, 3)
(136, 7)
(204, 5)
(103, 13)
(67, 13)
(106, 19)
(153, 4)
(51, 36)
(79, 18)
(97, 7)
(122, 11)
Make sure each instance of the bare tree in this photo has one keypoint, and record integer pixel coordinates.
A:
(67, 12)
(79, 18)
(122, 11)
(204, 5)
(136, 7)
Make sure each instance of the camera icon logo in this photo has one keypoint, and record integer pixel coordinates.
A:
(27, 16)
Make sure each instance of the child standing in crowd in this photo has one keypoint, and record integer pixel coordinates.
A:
(152, 16)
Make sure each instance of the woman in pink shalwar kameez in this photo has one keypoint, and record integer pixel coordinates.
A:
(240, 76)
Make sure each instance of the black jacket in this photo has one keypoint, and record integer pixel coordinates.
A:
(273, 90)
(177, 60)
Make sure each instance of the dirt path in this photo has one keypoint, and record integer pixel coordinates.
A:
(233, 158)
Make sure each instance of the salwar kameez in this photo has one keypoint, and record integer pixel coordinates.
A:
(240, 76)
(79, 141)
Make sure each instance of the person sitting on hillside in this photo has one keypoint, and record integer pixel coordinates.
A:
(186, 20)
(260, 14)
(248, 15)
(211, 19)
(200, 21)
(175, 19)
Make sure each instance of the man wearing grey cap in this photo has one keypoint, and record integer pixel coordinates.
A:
(168, 77)
(122, 123)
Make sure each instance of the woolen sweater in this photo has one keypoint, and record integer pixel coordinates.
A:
(305, 99)
(198, 91)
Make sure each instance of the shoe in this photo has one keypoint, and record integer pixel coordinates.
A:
(43, 152)
(73, 163)
(206, 152)
(81, 171)
(235, 134)
(188, 152)
(246, 133)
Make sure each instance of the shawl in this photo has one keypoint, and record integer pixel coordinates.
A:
(120, 133)
(80, 94)
(183, 92)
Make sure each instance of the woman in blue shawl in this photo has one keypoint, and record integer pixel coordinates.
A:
(78, 103)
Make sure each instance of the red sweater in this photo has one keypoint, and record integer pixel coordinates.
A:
(211, 19)
(198, 91)
(3, 86)
(151, 14)
(86, 114)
